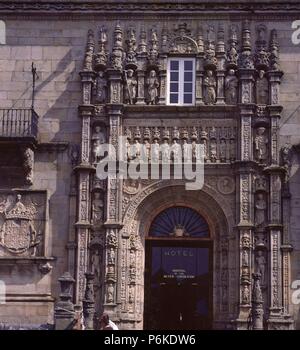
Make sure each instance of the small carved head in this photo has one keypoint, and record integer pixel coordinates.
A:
(209, 73)
(261, 130)
(152, 73)
(97, 128)
(231, 72)
(261, 73)
(130, 73)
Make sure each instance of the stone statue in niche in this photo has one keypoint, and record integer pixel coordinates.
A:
(97, 208)
(95, 264)
(98, 138)
(100, 88)
(246, 294)
(152, 87)
(231, 86)
(260, 210)
(260, 262)
(155, 151)
(261, 142)
(210, 88)
(111, 256)
(245, 258)
(262, 89)
(130, 87)
(110, 293)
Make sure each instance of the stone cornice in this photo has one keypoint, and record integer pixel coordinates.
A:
(244, 8)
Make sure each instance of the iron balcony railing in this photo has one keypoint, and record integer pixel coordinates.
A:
(18, 123)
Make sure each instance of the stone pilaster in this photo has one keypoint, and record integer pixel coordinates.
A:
(163, 80)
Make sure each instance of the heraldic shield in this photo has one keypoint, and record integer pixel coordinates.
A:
(18, 234)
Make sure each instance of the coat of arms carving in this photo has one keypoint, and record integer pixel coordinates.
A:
(18, 235)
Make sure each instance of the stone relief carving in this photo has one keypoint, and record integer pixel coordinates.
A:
(226, 185)
(22, 225)
(218, 142)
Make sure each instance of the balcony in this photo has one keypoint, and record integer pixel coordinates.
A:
(18, 125)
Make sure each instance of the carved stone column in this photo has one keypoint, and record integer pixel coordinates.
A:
(114, 212)
(163, 80)
(245, 226)
(199, 80)
(89, 302)
(275, 239)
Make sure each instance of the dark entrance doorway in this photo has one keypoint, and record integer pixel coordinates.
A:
(178, 284)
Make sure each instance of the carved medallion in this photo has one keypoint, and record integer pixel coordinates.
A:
(226, 185)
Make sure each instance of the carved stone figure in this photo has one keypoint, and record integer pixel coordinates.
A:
(96, 264)
(223, 150)
(262, 89)
(97, 208)
(261, 141)
(152, 87)
(111, 256)
(260, 210)
(165, 151)
(213, 151)
(231, 85)
(232, 150)
(101, 88)
(130, 88)
(187, 151)
(98, 138)
(210, 88)
(245, 257)
(245, 294)
(261, 265)
(110, 293)
(176, 150)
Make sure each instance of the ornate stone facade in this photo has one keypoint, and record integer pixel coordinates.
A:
(124, 91)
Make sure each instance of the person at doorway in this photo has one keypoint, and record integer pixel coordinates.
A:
(106, 324)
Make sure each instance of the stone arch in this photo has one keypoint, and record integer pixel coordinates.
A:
(210, 204)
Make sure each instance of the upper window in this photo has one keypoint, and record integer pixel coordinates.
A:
(181, 81)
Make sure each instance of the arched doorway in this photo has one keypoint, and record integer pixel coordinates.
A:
(178, 271)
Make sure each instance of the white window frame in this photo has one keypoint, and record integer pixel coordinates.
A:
(181, 81)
